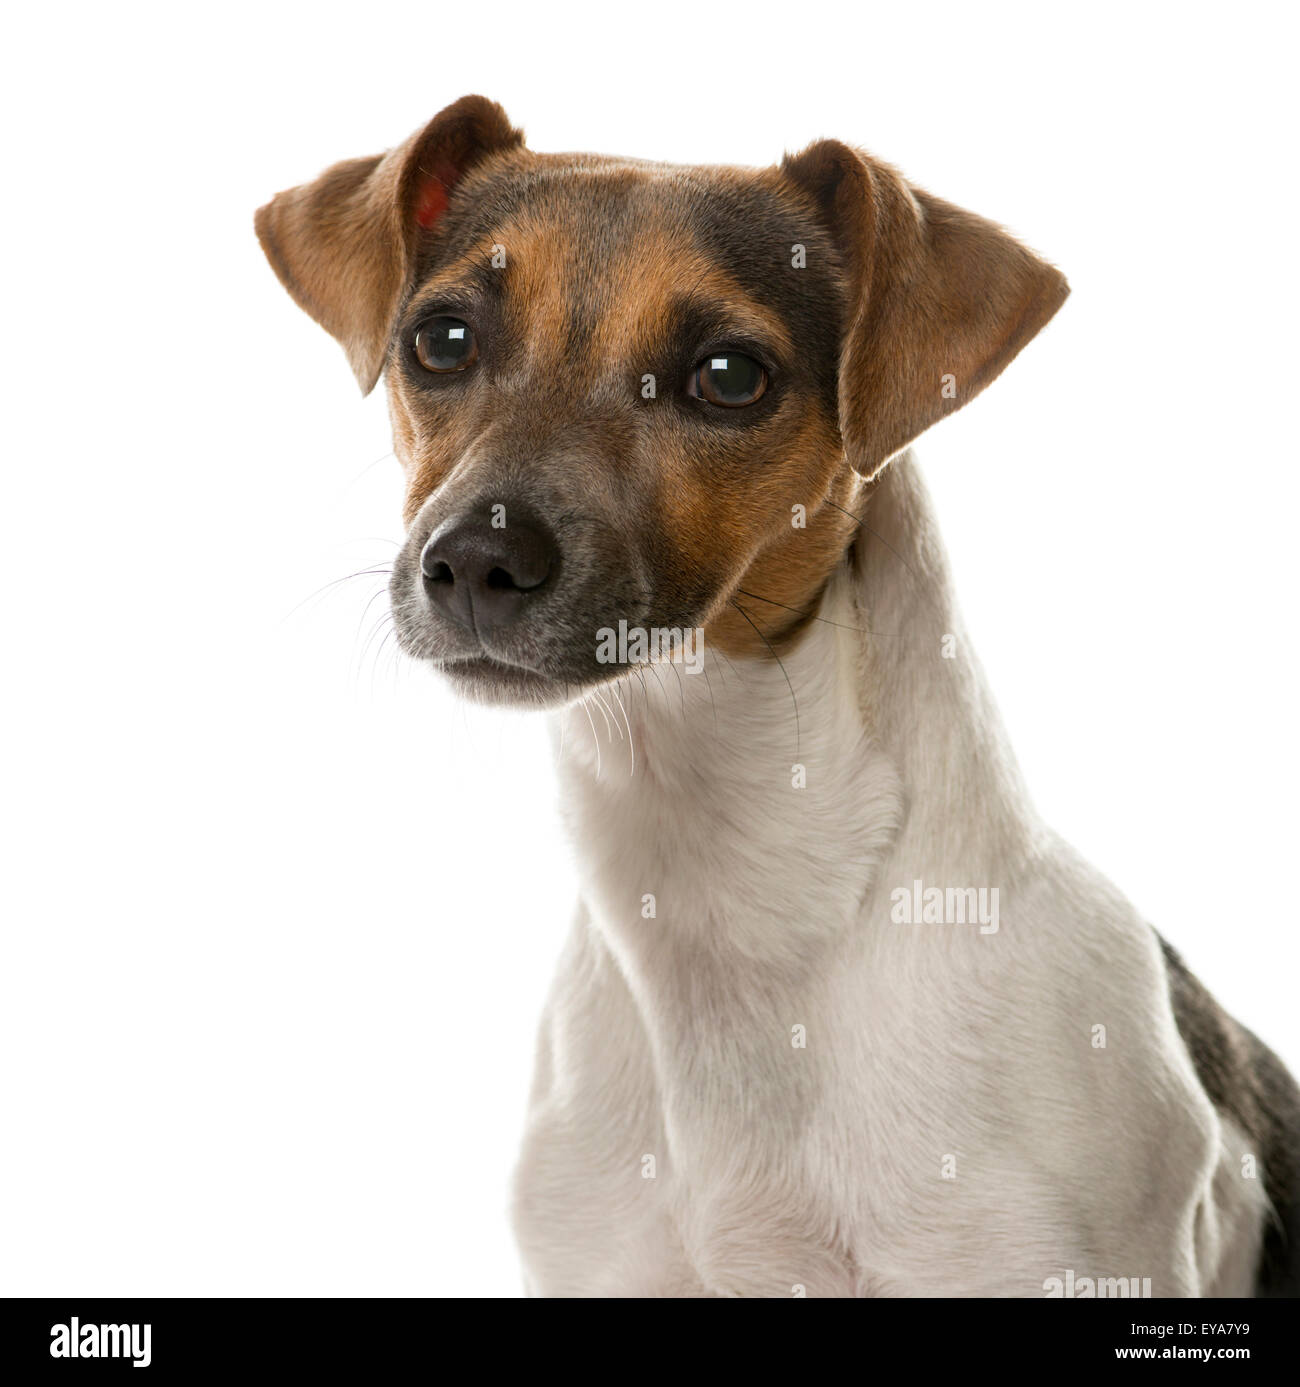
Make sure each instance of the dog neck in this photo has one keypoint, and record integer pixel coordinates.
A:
(764, 806)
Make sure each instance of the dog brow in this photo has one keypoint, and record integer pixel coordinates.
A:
(696, 318)
(463, 283)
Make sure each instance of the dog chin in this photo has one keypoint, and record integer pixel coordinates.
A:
(497, 684)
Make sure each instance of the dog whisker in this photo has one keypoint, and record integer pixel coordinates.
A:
(605, 705)
(708, 684)
(370, 467)
(877, 535)
(631, 746)
(600, 703)
(365, 611)
(784, 671)
(861, 630)
(386, 619)
(681, 688)
(595, 739)
(719, 654)
(655, 671)
(333, 583)
(379, 651)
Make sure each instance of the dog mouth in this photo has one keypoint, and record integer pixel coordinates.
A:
(529, 671)
(516, 681)
(487, 679)
(525, 646)
(510, 619)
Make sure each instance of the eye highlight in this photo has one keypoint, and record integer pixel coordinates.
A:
(728, 379)
(445, 344)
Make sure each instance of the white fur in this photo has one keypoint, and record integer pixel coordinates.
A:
(778, 1168)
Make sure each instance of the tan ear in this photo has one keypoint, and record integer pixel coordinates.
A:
(941, 300)
(345, 246)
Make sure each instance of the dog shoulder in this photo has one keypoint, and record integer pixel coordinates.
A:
(1253, 1090)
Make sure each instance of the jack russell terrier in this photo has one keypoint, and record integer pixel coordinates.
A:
(839, 1015)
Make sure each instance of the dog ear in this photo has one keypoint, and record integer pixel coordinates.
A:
(940, 299)
(345, 246)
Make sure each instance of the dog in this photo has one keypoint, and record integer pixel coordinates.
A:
(838, 1014)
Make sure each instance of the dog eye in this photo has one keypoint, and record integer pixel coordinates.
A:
(445, 344)
(731, 381)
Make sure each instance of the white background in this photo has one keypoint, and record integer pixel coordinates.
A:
(279, 915)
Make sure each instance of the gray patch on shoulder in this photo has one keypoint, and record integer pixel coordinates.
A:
(1246, 1080)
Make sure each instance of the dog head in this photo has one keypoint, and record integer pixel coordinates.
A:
(625, 394)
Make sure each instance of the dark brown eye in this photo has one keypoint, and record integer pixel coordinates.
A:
(445, 344)
(729, 380)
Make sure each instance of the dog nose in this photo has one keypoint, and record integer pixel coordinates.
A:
(482, 576)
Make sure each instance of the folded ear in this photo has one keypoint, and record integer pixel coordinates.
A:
(940, 299)
(345, 246)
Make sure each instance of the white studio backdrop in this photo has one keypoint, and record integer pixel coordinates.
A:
(278, 913)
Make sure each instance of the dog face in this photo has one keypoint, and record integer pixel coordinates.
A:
(624, 392)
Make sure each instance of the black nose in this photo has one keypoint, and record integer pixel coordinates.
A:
(482, 576)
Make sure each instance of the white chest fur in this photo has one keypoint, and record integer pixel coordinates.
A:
(754, 1078)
